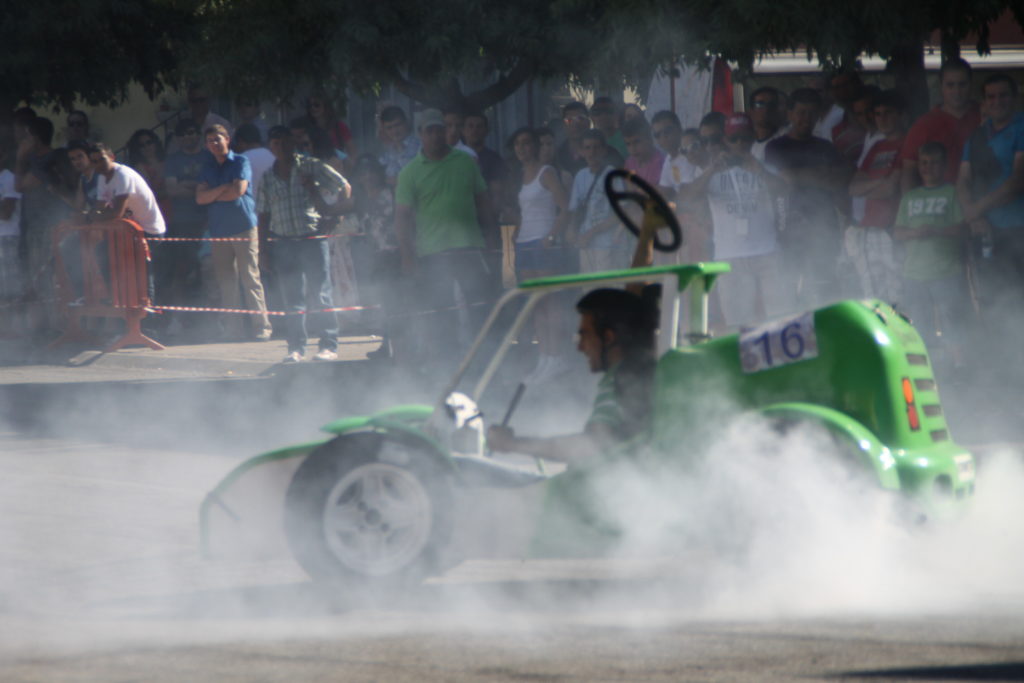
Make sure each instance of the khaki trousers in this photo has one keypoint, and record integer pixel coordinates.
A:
(236, 267)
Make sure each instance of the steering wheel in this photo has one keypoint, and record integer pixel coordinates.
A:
(655, 208)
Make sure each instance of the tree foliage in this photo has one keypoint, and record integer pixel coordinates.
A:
(57, 52)
(473, 52)
(432, 50)
(836, 34)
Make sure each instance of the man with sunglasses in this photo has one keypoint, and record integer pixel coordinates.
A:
(569, 156)
(678, 169)
(741, 194)
(766, 116)
(78, 126)
(199, 110)
(606, 120)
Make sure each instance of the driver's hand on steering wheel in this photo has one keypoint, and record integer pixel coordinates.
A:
(500, 438)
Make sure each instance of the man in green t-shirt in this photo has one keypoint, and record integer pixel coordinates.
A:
(441, 204)
(930, 224)
(616, 335)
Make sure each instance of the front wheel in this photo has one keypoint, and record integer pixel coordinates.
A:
(352, 514)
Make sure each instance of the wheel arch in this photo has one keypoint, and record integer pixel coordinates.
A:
(868, 447)
(383, 430)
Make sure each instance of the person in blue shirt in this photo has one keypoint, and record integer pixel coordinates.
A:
(991, 178)
(990, 188)
(225, 189)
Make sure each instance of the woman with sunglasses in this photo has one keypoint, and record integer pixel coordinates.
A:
(320, 109)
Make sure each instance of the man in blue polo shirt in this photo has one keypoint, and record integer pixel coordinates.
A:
(990, 187)
(225, 188)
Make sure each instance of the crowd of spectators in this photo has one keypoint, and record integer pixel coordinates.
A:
(811, 195)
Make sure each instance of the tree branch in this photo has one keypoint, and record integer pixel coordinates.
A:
(502, 88)
(414, 91)
(449, 94)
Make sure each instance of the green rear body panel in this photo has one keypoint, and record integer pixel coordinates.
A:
(853, 388)
(865, 351)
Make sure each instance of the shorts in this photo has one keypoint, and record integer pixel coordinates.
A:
(536, 257)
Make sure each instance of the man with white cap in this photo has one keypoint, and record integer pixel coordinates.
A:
(440, 204)
(741, 194)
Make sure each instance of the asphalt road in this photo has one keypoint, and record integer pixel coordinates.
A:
(101, 580)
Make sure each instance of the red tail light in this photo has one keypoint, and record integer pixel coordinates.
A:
(908, 395)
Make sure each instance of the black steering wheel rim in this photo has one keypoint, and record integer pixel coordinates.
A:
(617, 197)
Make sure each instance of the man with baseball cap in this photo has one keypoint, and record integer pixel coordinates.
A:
(741, 194)
(440, 204)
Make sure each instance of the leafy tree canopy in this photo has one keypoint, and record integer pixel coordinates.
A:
(427, 49)
(57, 52)
(469, 52)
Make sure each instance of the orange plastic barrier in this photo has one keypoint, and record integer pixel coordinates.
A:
(124, 295)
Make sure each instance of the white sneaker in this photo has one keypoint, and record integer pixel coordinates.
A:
(325, 354)
(293, 357)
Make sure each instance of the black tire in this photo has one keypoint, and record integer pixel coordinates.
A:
(373, 522)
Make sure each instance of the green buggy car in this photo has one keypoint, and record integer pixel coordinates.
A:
(408, 492)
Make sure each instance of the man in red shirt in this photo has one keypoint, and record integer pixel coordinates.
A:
(950, 123)
(875, 190)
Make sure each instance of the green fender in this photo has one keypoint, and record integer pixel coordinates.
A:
(406, 414)
(850, 433)
(396, 424)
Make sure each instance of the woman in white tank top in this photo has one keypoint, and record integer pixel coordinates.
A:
(543, 211)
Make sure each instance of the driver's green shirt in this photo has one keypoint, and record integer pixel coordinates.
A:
(623, 400)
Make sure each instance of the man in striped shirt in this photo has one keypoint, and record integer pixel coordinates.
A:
(294, 193)
(616, 334)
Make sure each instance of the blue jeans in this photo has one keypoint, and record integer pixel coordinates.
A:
(941, 311)
(436, 276)
(303, 266)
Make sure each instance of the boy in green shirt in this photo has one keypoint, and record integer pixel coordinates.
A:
(930, 224)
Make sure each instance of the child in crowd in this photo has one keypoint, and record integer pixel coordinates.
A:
(930, 224)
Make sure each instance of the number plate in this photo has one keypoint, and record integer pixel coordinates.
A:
(777, 343)
(964, 467)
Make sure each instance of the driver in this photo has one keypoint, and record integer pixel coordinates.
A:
(616, 334)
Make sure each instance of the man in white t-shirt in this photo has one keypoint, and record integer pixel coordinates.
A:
(677, 171)
(741, 194)
(454, 120)
(122, 193)
(602, 241)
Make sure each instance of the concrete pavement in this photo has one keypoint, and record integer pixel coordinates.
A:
(23, 362)
(208, 394)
